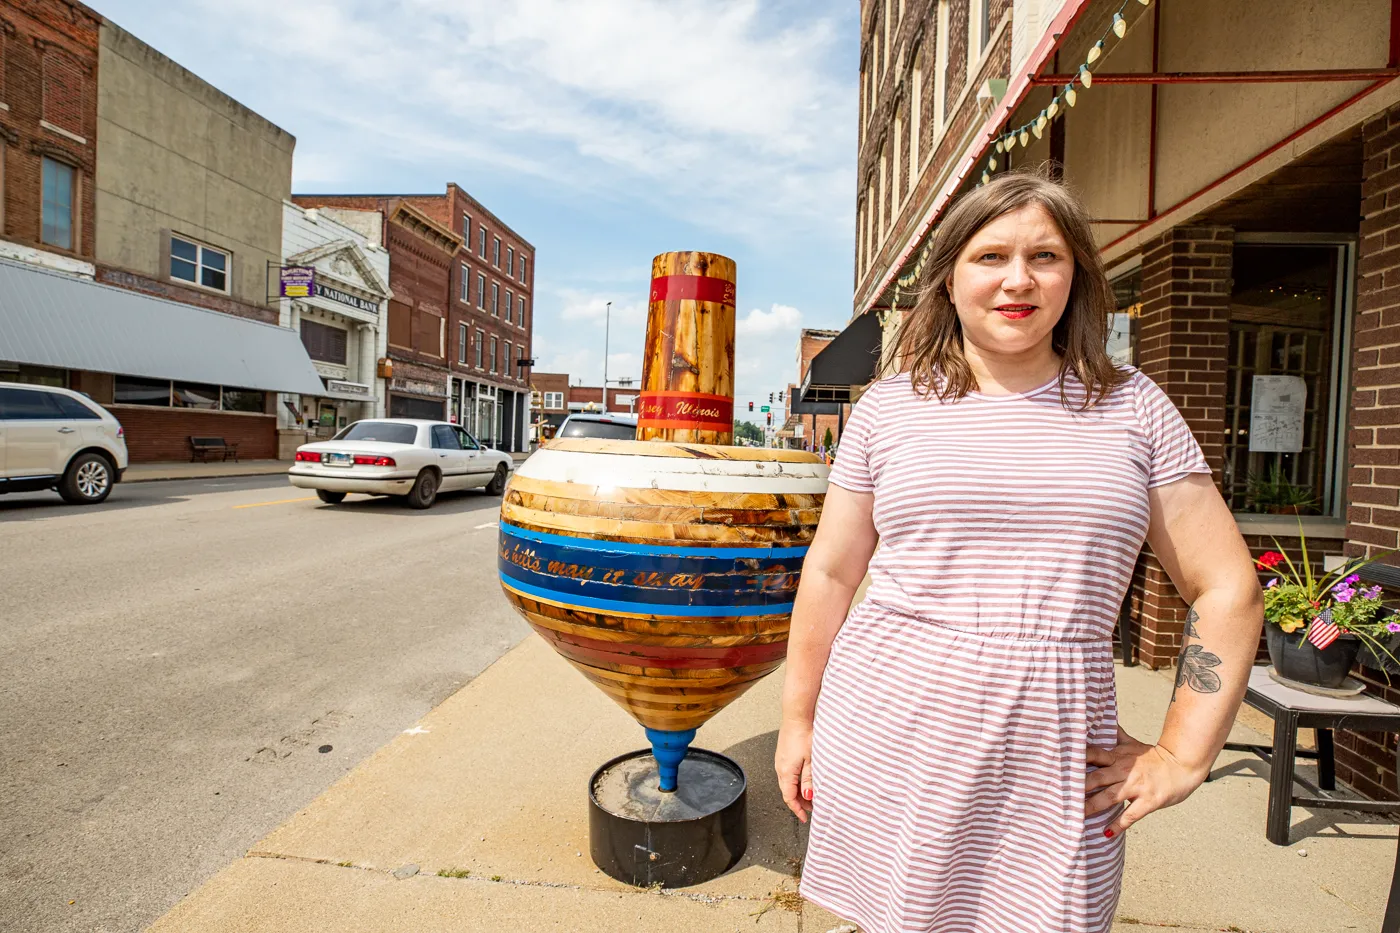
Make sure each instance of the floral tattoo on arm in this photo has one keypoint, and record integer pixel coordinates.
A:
(1194, 666)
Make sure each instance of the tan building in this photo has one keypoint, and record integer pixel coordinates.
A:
(1242, 164)
(190, 184)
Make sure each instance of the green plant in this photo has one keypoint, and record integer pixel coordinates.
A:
(1297, 598)
(1274, 490)
(454, 873)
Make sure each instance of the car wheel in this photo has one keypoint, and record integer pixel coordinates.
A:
(497, 486)
(325, 495)
(88, 480)
(424, 491)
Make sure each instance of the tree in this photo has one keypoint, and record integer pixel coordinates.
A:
(826, 439)
(744, 430)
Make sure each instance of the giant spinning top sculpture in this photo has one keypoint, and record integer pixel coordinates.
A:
(664, 569)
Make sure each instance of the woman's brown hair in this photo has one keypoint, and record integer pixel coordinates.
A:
(931, 344)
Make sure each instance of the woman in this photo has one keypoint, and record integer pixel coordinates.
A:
(955, 739)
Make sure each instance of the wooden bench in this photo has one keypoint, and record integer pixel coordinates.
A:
(202, 447)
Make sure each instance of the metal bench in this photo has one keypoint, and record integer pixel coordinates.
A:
(202, 447)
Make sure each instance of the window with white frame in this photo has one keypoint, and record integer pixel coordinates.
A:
(481, 243)
(510, 307)
(496, 251)
(467, 228)
(462, 341)
(510, 358)
(522, 268)
(554, 400)
(466, 297)
(493, 354)
(521, 319)
(481, 291)
(495, 300)
(480, 346)
(510, 261)
(200, 264)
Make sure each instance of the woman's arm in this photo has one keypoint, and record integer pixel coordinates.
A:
(834, 568)
(1194, 536)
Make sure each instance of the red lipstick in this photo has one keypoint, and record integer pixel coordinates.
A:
(1016, 312)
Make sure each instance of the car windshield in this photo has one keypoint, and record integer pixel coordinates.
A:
(386, 431)
(611, 430)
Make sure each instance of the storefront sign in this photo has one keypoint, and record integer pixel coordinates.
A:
(298, 282)
(418, 387)
(355, 301)
(349, 388)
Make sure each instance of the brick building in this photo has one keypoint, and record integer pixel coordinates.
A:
(1240, 164)
(100, 180)
(484, 312)
(806, 423)
(48, 133)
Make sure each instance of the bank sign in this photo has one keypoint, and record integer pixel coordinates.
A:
(355, 301)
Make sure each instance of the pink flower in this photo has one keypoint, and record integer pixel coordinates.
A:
(1352, 580)
(1392, 627)
(1343, 593)
(1372, 592)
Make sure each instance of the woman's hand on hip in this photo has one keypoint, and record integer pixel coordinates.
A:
(1146, 777)
(793, 762)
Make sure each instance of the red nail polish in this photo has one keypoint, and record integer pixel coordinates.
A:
(807, 793)
(1108, 833)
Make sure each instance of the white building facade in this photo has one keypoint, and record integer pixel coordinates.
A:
(334, 287)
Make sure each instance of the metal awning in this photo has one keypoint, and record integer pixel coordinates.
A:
(51, 319)
(849, 360)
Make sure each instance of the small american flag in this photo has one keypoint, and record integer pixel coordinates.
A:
(1323, 630)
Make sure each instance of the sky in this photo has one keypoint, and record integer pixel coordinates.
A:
(602, 131)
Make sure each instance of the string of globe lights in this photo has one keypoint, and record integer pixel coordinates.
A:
(1006, 142)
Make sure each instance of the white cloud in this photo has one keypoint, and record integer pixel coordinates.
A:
(778, 319)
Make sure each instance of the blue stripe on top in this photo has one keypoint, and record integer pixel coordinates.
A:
(645, 609)
(656, 550)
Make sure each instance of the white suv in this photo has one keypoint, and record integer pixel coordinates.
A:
(58, 439)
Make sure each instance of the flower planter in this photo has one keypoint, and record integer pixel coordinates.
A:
(1376, 661)
(1308, 664)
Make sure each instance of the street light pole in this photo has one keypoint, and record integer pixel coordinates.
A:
(607, 326)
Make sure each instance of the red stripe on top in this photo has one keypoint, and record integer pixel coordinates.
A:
(692, 287)
(689, 407)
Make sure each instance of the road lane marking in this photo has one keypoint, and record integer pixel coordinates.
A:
(416, 730)
(254, 505)
(487, 525)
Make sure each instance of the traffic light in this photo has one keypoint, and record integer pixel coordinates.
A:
(750, 406)
(780, 396)
(770, 417)
(770, 398)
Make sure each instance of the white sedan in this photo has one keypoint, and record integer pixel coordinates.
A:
(399, 457)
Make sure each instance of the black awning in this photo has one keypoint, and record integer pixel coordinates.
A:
(852, 359)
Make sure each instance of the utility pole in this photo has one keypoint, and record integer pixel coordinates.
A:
(607, 327)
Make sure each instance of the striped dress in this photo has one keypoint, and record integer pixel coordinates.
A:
(948, 754)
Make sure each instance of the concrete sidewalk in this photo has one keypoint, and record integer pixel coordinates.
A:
(490, 787)
(149, 472)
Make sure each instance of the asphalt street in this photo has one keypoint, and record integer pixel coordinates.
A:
(186, 665)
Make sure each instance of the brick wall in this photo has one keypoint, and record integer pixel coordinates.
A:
(551, 382)
(48, 74)
(161, 434)
(1366, 761)
(186, 295)
(1183, 343)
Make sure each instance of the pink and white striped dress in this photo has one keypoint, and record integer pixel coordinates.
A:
(948, 757)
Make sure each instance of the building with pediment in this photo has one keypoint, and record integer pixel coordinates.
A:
(335, 294)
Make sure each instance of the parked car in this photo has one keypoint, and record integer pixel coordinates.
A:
(399, 457)
(59, 439)
(616, 426)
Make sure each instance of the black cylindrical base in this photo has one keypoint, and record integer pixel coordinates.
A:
(641, 836)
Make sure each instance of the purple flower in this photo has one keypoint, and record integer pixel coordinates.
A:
(1343, 594)
(1271, 584)
(1372, 593)
(1392, 627)
(1352, 580)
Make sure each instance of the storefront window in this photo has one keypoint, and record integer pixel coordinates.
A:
(35, 375)
(128, 390)
(243, 400)
(192, 395)
(1281, 419)
(1123, 322)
